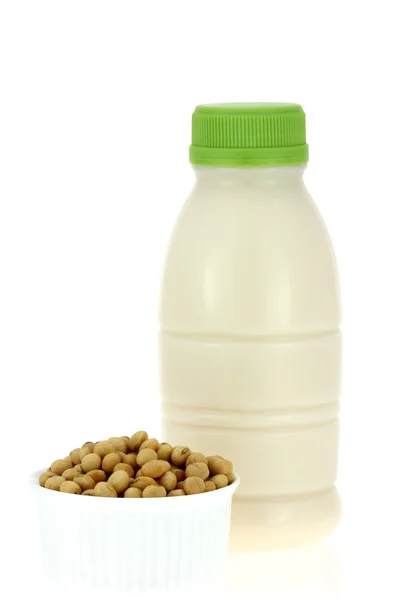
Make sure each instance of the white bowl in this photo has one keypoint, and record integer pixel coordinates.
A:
(135, 544)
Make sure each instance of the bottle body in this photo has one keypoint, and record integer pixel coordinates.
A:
(249, 340)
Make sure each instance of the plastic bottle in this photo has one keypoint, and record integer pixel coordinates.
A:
(249, 342)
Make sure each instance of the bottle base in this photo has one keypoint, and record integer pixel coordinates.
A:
(284, 522)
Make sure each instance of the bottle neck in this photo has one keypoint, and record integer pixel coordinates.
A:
(250, 176)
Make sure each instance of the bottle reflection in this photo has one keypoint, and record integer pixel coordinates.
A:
(310, 573)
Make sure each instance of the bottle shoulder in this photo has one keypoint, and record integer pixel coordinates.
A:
(248, 262)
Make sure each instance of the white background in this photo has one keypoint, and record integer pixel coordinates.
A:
(95, 108)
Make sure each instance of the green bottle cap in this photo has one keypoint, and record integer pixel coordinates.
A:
(248, 135)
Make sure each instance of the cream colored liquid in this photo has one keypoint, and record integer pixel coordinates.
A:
(250, 347)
